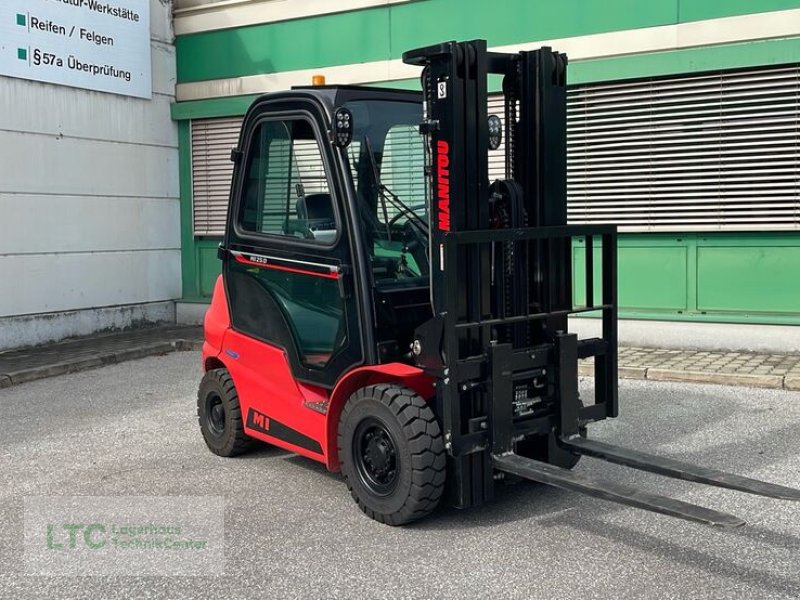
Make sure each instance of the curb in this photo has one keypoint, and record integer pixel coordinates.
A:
(13, 378)
(774, 382)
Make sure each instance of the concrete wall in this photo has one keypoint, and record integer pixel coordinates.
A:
(89, 208)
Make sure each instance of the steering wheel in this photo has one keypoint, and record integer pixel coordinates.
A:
(403, 213)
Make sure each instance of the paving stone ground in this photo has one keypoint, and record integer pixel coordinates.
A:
(717, 362)
(732, 368)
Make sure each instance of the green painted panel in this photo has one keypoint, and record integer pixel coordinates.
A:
(188, 270)
(747, 240)
(399, 84)
(199, 262)
(740, 277)
(728, 277)
(693, 60)
(586, 71)
(712, 317)
(209, 267)
(381, 33)
(579, 273)
(652, 277)
(216, 107)
(339, 39)
(697, 10)
(748, 279)
(515, 21)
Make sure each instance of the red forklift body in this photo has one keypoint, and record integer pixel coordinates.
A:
(302, 418)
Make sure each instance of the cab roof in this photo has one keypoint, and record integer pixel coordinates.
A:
(336, 95)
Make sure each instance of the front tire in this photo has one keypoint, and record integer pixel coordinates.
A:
(220, 415)
(392, 453)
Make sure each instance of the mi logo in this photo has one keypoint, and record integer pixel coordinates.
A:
(258, 421)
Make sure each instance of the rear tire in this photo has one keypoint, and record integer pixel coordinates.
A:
(392, 454)
(220, 415)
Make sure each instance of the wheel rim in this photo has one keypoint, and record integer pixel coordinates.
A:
(375, 455)
(215, 412)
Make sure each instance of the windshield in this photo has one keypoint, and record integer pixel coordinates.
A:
(387, 164)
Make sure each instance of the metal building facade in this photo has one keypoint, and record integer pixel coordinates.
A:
(683, 126)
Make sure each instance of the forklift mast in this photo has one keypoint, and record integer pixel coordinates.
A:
(498, 346)
(501, 263)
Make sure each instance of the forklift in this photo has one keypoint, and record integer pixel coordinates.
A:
(387, 310)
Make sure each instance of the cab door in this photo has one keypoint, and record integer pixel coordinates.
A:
(285, 267)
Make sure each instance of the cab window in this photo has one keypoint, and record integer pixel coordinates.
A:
(286, 192)
(387, 165)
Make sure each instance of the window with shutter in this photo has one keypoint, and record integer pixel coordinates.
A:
(212, 141)
(706, 152)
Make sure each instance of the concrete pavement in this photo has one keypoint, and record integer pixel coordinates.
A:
(292, 530)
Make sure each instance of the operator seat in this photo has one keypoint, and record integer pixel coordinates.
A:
(317, 211)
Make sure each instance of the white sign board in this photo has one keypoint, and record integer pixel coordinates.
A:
(99, 45)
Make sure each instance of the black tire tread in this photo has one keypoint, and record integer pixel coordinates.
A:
(424, 437)
(239, 442)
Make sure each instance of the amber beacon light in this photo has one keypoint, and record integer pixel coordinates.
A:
(318, 80)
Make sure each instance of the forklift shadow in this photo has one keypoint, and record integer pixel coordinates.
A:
(701, 409)
(750, 454)
(538, 503)
(683, 553)
(521, 501)
(310, 465)
(696, 416)
(264, 451)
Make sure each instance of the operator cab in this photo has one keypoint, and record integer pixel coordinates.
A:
(326, 252)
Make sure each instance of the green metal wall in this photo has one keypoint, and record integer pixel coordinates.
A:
(386, 32)
(724, 277)
(714, 277)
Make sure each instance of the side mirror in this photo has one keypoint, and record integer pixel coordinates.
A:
(495, 132)
(342, 131)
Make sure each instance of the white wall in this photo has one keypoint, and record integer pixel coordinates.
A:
(89, 208)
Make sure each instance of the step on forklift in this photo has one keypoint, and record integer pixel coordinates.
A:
(386, 309)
